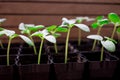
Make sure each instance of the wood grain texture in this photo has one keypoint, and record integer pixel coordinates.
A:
(56, 8)
(88, 1)
(15, 20)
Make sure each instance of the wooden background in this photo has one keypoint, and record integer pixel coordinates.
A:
(49, 12)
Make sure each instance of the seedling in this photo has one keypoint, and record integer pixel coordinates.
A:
(107, 43)
(11, 35)
(1, 21)
(80, 20)
(43, 35)
(118, 33)
(55, 30)
(27, 29)
(70, 24)
(115, 20)
(100, 22)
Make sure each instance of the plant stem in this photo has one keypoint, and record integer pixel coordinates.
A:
(66, 46)
(8, 51)
(95, 41)
(79, 37)
(34, 47)
(102, 51)
(113, 33)
(1, 45)
(0, 40)
(55, 46)
(118, 35)
(40, 50)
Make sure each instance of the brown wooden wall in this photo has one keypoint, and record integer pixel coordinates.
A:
(48, 12)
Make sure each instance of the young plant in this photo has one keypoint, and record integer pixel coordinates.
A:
(1, 21)
(11, 35)
(107, 43)
(27, 29)
(80, 20)
(100, 22)
(118, 33)
(70, 24)
(43, 35)
(55, 30)
(115, 20)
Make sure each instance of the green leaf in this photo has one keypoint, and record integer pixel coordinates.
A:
(118, 29)
(94, 25)
(69, 22)
(38, 34)
(9, 32)
(35, 28)
(61, 29)
(108, 45)
(26, 39)
(79, 20)
(99, 17)
(51, 28)
(103, 22)
(96, 37)
(56, 35)
(22, 26)
(2, 33)
(83, 27)
(110, 39)
(26, 31)
(14, 35)
(113, 17)
(1, 29)
(50, 38)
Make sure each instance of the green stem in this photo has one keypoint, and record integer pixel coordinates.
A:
(113, 33)
(40, 50)
(95, 41)
(34, 47)
(79, 37)
(118, 36)
(66, 46)
(8, 51)
(1, 45)
(55, 46)
(0, 41)
(102, 51)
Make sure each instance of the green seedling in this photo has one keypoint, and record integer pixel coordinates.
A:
(2, 20)
(118, 33)
(107, 43)
(80, 20)
(28, 29)
(115, 20)
(55, 30)
(44, 34)
(11, 35)
(70, 24)
(100, 22)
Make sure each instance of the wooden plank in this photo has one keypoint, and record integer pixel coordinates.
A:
(14, 20)
(17, 8)
(89, 1)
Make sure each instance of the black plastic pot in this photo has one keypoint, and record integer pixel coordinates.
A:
(6, 72)
(100, 70)
(73, 70)
(34, 72)
(30, 70)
